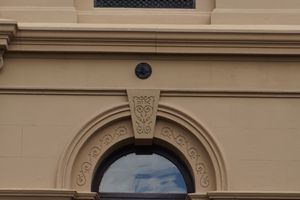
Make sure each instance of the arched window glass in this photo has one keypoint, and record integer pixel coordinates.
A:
(142, 173)
(135, 173)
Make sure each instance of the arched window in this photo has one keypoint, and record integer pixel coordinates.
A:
(142, 173)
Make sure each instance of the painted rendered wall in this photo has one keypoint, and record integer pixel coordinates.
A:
(54, 11)
(102, 71)
(258, 136)
(263, 12)
(66, 62)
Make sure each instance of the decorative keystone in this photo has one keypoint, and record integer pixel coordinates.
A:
(143, 107)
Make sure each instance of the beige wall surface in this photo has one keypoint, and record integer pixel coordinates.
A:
(258, 136)
(259, 139)
(34, 132)
(230, 67)
(54, 11)
(117, 72)
(206, 12)
(264, 12)
(258, 4)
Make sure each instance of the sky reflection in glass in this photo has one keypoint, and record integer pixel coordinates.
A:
(143, 174)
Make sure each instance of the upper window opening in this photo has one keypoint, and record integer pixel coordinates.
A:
(179, 4)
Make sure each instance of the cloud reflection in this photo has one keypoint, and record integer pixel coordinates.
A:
(143, 174)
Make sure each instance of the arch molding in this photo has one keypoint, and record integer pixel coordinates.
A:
(112, 129)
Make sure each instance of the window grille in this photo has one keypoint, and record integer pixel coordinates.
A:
(179, 4)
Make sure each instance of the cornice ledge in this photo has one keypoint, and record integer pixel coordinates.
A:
(87, 196)
(209, 39)
(164, 92)
(244, 195)
(8, 29)
(20, 194)
(254, 195)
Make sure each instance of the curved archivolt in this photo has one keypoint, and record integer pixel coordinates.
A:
(113, 130)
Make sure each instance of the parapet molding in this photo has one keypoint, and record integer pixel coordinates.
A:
(154, 39)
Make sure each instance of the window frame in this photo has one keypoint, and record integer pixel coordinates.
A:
(201, 14)
(105, 164)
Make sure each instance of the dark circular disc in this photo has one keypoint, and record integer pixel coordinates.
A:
(143, 70)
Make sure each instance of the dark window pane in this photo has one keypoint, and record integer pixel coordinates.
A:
(143, 174)
(145, 3)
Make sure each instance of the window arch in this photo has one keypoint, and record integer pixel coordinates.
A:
(142, 172)
(113, 130)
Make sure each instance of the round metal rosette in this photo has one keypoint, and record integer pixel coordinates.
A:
(143, 70)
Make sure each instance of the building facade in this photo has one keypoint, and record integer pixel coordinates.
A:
(211, 85)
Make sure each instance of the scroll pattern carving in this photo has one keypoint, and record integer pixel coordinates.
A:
(143, 110)
(95, 151)
(192, 152)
